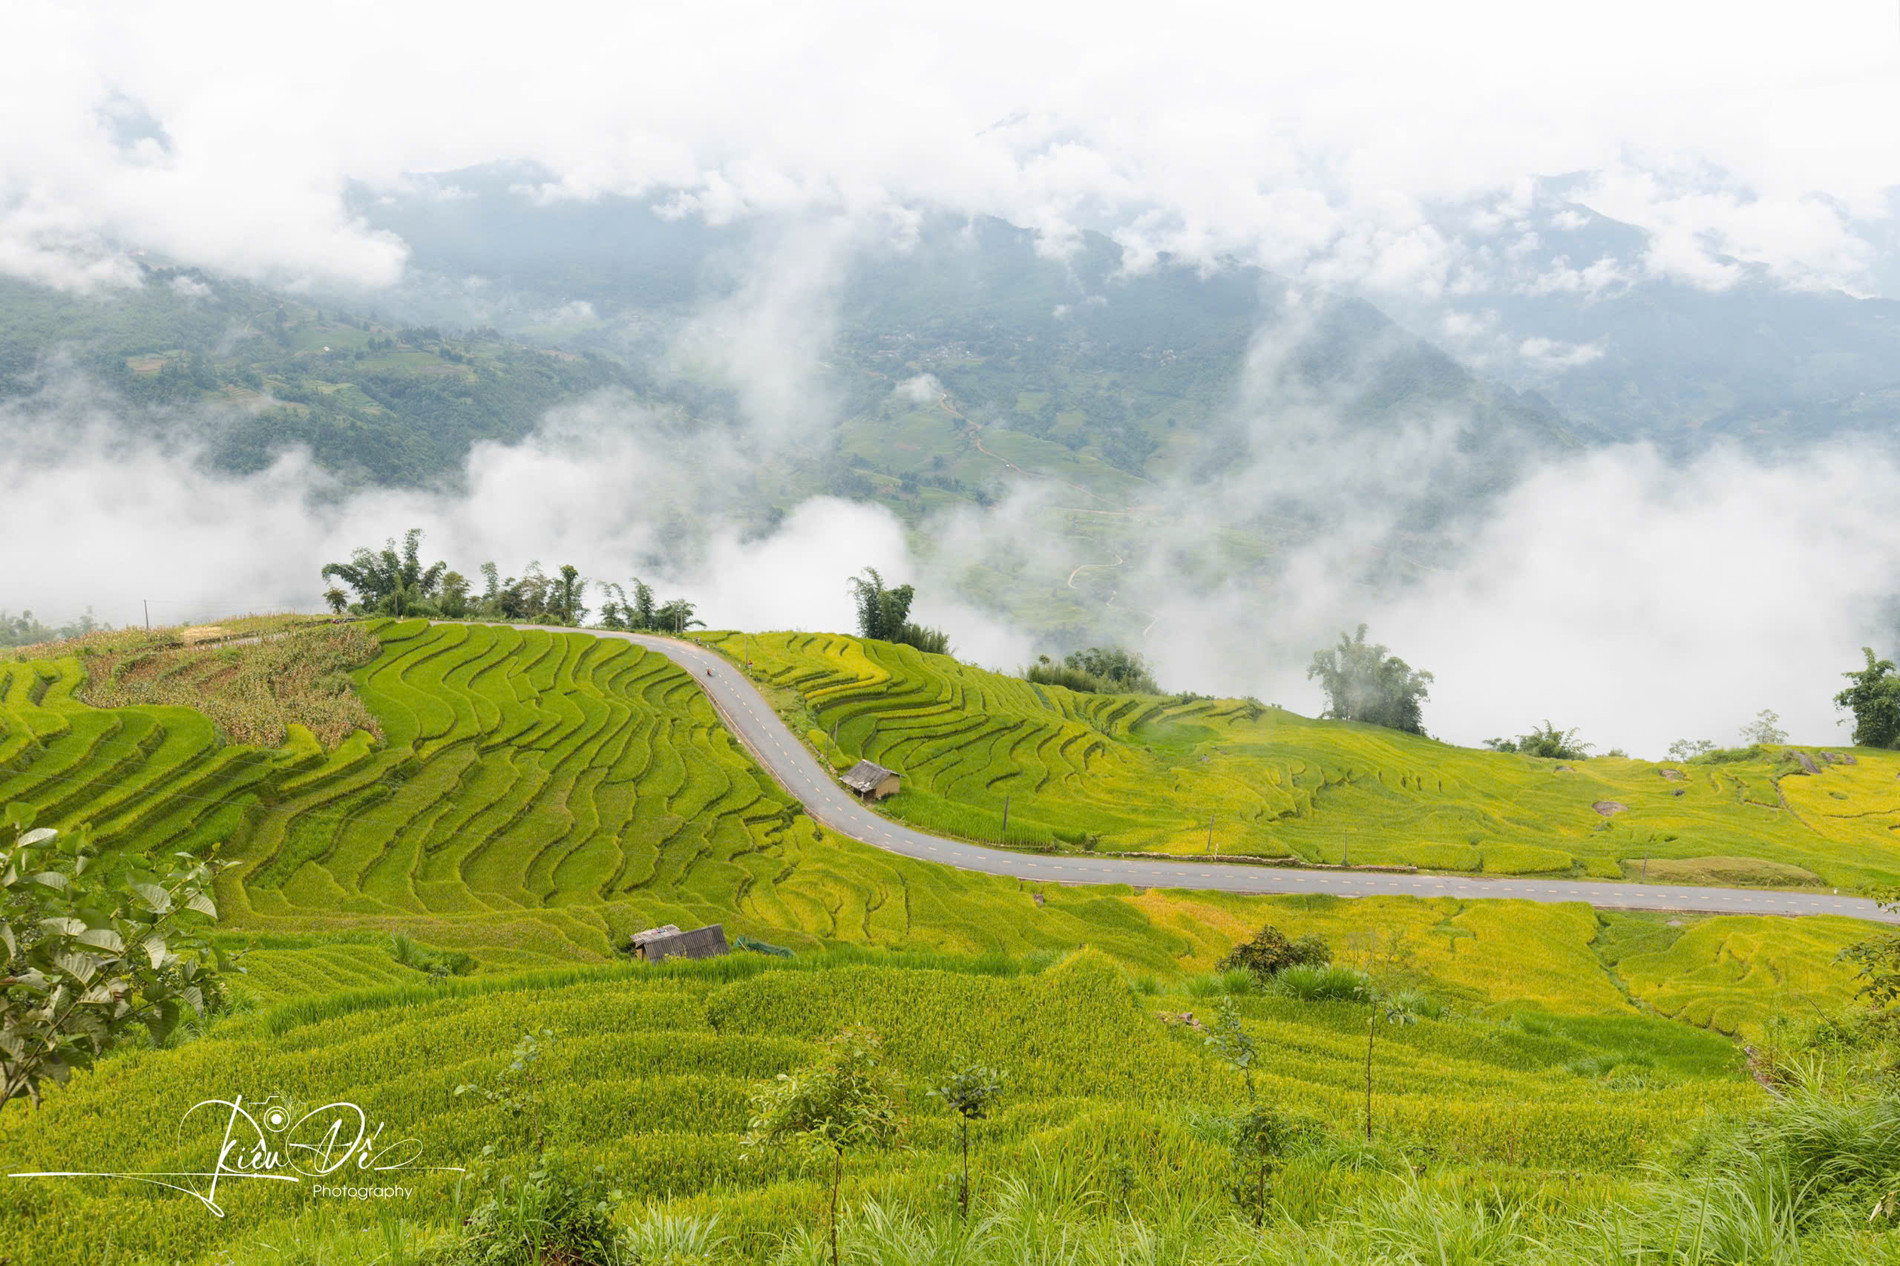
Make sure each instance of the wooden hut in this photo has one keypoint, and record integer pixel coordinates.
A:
(871, 780)
(658, 944)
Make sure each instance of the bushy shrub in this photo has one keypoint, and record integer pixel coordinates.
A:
(1097, 670)
(1270, 952)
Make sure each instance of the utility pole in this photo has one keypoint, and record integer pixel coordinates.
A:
(1005, 817)
(1210, 830)
(1345, 849)
(148, 613)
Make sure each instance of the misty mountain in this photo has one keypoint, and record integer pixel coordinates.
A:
(1111, 370)
(1620, 346)
(243, 374)
(515, 302)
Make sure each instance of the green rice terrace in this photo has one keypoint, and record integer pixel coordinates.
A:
(433, 906)
(1111, 1113)
(1126, 773)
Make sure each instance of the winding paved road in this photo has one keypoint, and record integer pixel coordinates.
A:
(749, 716)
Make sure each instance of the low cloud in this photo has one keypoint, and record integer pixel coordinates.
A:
(921, 389)
(1553, 354)
(1640, 600)
(103, 517)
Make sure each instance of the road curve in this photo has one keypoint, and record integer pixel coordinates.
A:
(749, 716)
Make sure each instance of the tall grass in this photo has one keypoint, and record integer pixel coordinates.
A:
(1328, 983)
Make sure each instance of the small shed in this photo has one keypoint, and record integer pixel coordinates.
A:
(658, 944)
(871, 780)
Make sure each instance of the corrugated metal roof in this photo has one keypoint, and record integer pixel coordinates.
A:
(866, 775)
(656, 944)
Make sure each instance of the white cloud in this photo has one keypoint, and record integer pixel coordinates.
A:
(102, 518)
(919, 389)
(1617, 592)
(1307, 138)
(1554, 354)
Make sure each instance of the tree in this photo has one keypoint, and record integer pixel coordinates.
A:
(677, 616)
(847, 1100)
(454, 603)
(1099, 669)
(1689, 749)
(639, 613)
(884, 613)
(1262, 1136)
(1765, 730)
(93, 947)
(1363, 683)
(969, 1092)
(566, 598)
(1270, 952)
(1232, 1044)
(389, 581)
(1878, 957)
(1547, 741)
(1874, 699)
(881, 611)
(337, 600)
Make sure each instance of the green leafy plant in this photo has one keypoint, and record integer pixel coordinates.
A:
(1546, 741)
(1262, 1136)
(549, 1216)
(1232, 1044)
(517, 1089)
(969, 1092)
(847, 1100)
(97, 946)
(884, 613)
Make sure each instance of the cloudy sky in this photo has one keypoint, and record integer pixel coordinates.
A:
(1312, 137)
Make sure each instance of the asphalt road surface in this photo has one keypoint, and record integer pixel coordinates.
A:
(748, 715)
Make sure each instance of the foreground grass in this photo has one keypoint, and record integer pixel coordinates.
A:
(648, 1075)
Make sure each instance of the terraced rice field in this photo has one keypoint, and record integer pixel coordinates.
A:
(540, 794)
(536, 796)
(1137, 773)
(649, 1077)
